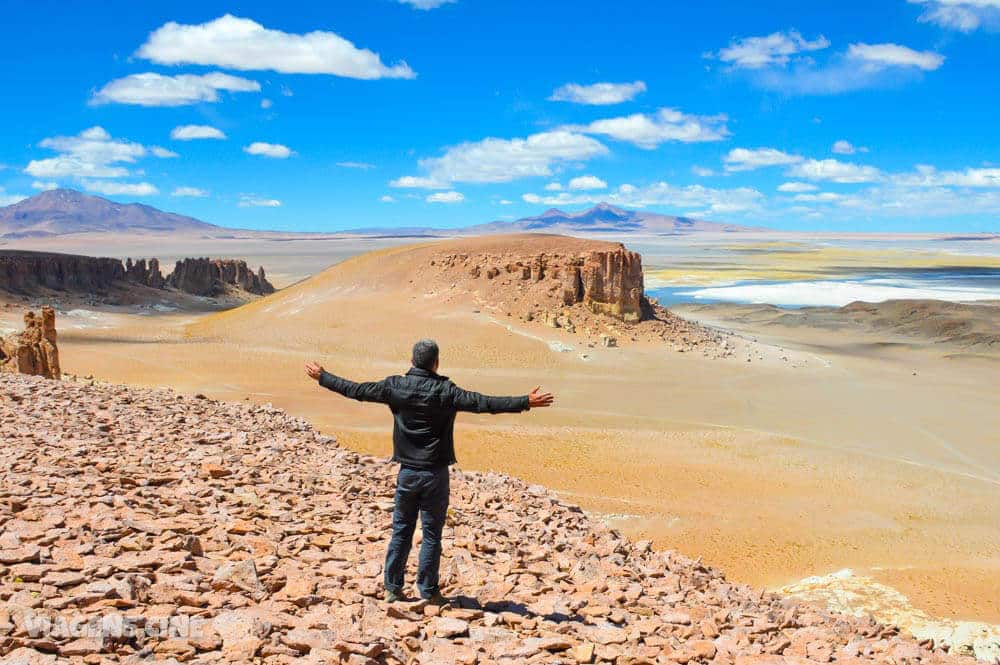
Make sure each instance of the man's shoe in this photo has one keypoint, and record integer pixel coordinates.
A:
(437, 599)
(393, 597)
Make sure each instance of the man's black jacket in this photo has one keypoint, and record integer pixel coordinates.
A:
(423, 405)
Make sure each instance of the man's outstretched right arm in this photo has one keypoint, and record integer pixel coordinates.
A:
(370, 391)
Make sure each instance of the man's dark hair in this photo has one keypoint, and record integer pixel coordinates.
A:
(425, 354)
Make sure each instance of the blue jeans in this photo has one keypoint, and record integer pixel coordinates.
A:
(424, 491)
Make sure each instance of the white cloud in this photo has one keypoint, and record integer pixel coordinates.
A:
(111, 188)
(797, 187)
(834, 171)
(387, 199)
(553, 187)
(962, 15)
(598, 93)
(821, 197)
(780, 62)
(774, 49)
(244, 44)
(843, 147)
(506, 202)
(417, 182)
(426, 4)
(254, 201)
(273, 150)
(72, 165)
(189, 191)
(503, 160)
(744, 159)
(587, 182)
(928, 176)
(163, 153)
(192, 132)
(266, 103)
(894, 55)
(150, 89)
(909, 202)
(446, 197)
(703, 200)
(363, 166)
(702, 172)
(667, 124)
(92, 153)
(44, 186)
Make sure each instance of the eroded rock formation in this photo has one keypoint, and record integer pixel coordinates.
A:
(34, 350)
(147, 274)
(24, 272)
(236, 533)
(209, 277)
(607, 282)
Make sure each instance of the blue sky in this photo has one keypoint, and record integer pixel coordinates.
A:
(853, 116)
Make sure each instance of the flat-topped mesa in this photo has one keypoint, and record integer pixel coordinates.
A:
(210, 277)
(34, 350)
(23, 272)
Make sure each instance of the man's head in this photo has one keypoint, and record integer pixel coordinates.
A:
(425, 355)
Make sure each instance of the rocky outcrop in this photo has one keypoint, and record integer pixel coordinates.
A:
(210, 277)
(217, 532)
(587, 288)
(607, 282)
(33, 351)
(25, 272)
(147, 274)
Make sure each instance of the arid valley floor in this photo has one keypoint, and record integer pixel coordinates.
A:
(817, 446)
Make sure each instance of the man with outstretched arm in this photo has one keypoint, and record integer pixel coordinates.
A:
(423, 405)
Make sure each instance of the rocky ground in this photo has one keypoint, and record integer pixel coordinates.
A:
(138, 524)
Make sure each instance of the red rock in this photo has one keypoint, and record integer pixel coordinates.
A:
(448, 627)
(26, 656)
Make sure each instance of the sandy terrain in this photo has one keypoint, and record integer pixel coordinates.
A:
(804, 454)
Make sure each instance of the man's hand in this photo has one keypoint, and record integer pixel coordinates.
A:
(314, 370)
(537, 399)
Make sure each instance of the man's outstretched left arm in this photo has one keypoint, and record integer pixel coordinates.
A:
(370, 391)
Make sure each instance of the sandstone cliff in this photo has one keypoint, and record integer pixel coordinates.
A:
(24, 272)
(209, 277)
(238, 533)
(34, 350)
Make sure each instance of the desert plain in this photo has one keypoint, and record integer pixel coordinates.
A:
(817, 443)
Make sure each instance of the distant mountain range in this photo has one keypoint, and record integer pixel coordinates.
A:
(603, 218)
(64, 211)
